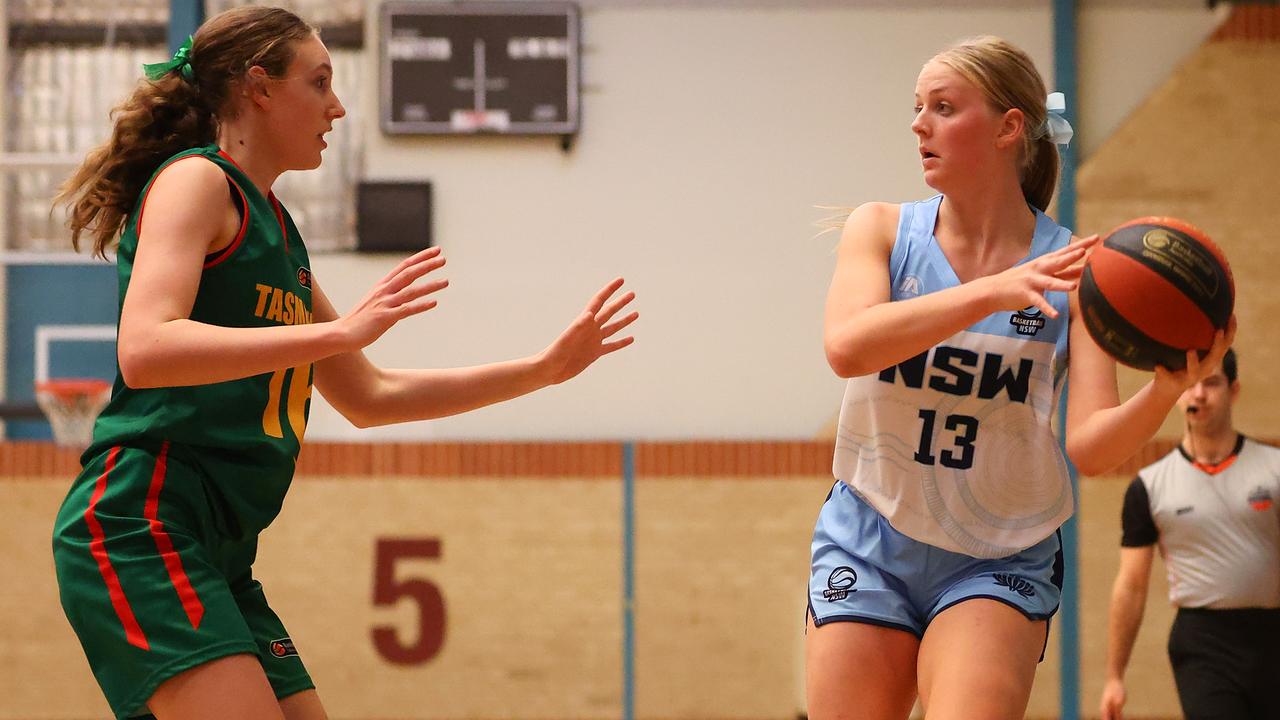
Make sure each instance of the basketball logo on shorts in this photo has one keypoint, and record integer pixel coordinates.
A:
(283, 648)
(304, 277)
(1028, 321)
(840, 583)
(1015, 584)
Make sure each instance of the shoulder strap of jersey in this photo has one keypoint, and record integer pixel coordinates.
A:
(915, 225)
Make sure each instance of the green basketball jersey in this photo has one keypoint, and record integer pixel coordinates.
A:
(244, 434)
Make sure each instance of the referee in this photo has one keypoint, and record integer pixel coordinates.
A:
(1212, 506)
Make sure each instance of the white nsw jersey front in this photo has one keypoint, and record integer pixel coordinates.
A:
(955, 447)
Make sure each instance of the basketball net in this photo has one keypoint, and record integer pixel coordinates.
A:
(71, 407)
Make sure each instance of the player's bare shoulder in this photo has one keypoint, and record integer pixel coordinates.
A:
(189, 201)
(197, 179)
(871, 227)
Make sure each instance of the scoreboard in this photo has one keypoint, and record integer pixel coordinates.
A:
(480, 67)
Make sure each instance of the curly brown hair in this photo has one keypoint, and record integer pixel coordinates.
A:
(166, 116)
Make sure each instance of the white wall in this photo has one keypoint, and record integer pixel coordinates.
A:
(711, 129)
(710, 133)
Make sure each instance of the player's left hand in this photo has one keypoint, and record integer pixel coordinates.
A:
(587, 338)
(1197, 368)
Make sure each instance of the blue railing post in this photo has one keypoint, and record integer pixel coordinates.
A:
(1064, 73)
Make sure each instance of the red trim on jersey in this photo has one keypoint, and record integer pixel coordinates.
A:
(1215, 468)
(226, 252)
(228, 158)
(172, 561)
(98, 548)
(284, 232)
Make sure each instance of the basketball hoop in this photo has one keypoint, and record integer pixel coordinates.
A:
(71, 405)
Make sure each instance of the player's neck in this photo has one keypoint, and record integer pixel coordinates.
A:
(987, 217)
(246, 149)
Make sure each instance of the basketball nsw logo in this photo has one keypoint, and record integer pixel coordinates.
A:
(1027, 321)
(840, 583)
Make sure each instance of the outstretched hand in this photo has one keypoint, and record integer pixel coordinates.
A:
(396, 296)
(587, 337)
(1197, 369)
(1027, 284)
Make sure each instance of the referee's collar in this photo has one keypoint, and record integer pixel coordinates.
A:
(1215, 468)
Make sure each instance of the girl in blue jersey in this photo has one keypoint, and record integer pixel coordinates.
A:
(155, 573)
(936, 562)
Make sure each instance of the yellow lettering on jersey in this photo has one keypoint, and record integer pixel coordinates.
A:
(303, 313)
(263, 292)
(299, 393)
(277, 302)
(271, 414)
(284, 307)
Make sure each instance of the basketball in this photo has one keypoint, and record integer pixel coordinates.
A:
(1153, 289)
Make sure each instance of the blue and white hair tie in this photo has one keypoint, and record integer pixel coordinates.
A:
(1056, 128)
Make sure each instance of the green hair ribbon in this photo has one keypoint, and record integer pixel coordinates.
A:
(181, 63)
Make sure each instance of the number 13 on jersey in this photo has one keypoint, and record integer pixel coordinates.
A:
(966, 429)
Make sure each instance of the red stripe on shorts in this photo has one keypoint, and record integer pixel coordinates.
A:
(98, 547)
(172, 560)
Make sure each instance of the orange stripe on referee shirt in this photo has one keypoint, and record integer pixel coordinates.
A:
(172, 561)
(98, 548)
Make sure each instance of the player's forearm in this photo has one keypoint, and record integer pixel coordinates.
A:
(889, 333)
(1109, 437)
(407, 395)
(186, 352)
(1122, 629)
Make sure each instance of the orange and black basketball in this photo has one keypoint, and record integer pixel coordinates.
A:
(1155, 288)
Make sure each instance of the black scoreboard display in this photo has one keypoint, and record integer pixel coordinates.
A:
(480, 67)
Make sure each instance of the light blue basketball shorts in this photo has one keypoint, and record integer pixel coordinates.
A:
(865, 571)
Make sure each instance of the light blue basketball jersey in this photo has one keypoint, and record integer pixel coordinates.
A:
(955, 447)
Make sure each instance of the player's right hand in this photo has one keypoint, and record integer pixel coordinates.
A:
(403, 292)
(1026, 284)
(1113, 697)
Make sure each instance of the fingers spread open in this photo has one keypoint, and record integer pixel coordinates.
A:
(601, 297)
(401, 278)
(615, 345)
(612, 308)
(1045, 306)
(414, 259)
(418, 306)
(612, 328)
(413, 292)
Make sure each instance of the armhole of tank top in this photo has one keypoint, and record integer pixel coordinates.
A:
(284, 229)
(241, 204)
(901, 238)
(142, 204)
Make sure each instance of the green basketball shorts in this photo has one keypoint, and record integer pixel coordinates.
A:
(155, 582)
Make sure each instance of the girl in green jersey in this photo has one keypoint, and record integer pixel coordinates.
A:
(223, 332)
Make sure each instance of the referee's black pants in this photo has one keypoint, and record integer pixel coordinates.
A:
(1226, 663)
